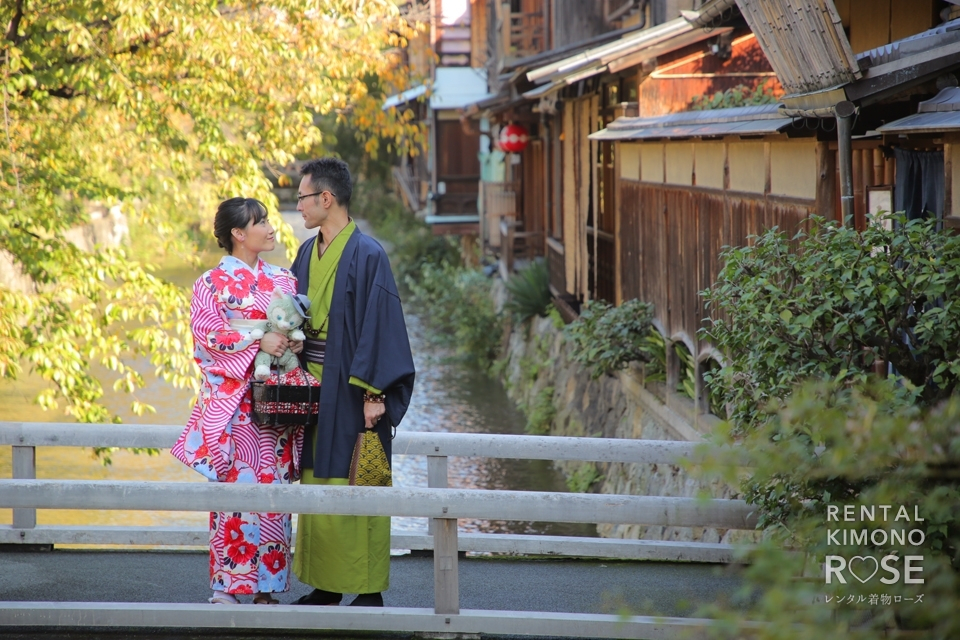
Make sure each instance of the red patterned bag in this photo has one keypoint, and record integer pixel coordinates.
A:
(286, 398)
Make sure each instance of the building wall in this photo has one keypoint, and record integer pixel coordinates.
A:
(873, 23)
(676, 215)
(711, 158)
(793, 168)
(575, 21)
(746, 165)
(678, 163)
(692, 72)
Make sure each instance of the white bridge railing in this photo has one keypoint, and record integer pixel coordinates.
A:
(443, 506)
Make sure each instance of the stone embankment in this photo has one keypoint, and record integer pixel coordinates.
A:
(107, 228)
(561, 399)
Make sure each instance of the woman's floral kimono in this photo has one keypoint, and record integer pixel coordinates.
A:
(249, 552)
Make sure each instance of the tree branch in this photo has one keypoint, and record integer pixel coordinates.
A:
(146, 41)
(14, 27)
(67, 93)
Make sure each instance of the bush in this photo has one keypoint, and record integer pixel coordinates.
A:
(832, 305)
(585, 476)
(529, 292)
(687, 384)
(606, 339)
(456, 304)
(738, 96)
(838, 445)
(413, 244)
(541, 413)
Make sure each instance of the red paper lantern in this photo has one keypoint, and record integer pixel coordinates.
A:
(513, 138)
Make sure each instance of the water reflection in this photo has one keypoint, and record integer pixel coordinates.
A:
(453, 397)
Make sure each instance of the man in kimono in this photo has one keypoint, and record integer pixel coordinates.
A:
(357, 346)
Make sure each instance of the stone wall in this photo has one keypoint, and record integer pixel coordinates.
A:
(542, 380)
(107, 228)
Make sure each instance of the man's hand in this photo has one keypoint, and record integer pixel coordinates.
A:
(274, 343)
(371, 413)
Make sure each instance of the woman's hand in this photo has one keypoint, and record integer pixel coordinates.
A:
(296, 346)
(274, 344)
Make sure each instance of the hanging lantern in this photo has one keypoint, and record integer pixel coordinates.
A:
(513, 138)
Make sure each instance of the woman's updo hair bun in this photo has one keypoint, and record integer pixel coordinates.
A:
(236, 213)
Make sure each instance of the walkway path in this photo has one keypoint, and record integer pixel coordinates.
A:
(555, 585)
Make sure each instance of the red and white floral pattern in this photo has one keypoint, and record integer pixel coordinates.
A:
(249, 552)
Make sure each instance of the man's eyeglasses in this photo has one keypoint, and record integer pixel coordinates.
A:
(309, 195)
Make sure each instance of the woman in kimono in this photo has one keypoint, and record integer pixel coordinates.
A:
(249, 552)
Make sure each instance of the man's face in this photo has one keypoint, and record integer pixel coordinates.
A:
(312, 207)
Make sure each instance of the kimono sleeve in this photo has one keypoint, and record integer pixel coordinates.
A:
(382, 358)
(212, 333)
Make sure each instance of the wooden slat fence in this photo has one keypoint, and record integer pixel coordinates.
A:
(672, 237)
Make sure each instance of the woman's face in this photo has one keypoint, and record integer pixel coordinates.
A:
(259, 236)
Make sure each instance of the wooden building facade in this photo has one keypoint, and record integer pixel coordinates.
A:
(627, 192)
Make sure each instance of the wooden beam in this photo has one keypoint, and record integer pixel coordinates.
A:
(24, 467)
(392, 619)
(424, 443)
(446, 580)
(511, 544)
(377, 501)
(902, 74)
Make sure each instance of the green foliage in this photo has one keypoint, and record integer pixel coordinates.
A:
(606, 338)
(583, 478)
(529, 292)
(832, 304)
(837, 445)
(555, 318)
(655, 369)
(162, 109)
(413, 245)
(457, 304)
(541, 414)
(533, 364)
(738, 96)
(687, 384)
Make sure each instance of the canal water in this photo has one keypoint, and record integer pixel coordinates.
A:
(449, 396)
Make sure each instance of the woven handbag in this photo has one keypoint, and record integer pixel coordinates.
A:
(288, 398)
(369, 466)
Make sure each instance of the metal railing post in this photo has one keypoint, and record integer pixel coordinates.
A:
(436, 478)
(446, 579)
(24, 468)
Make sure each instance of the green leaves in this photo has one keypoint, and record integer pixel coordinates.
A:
(157, 110)
(835, 305)
(457, 304)
(606, 339)
(850, 445)
(738, 96)
(529, 292)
